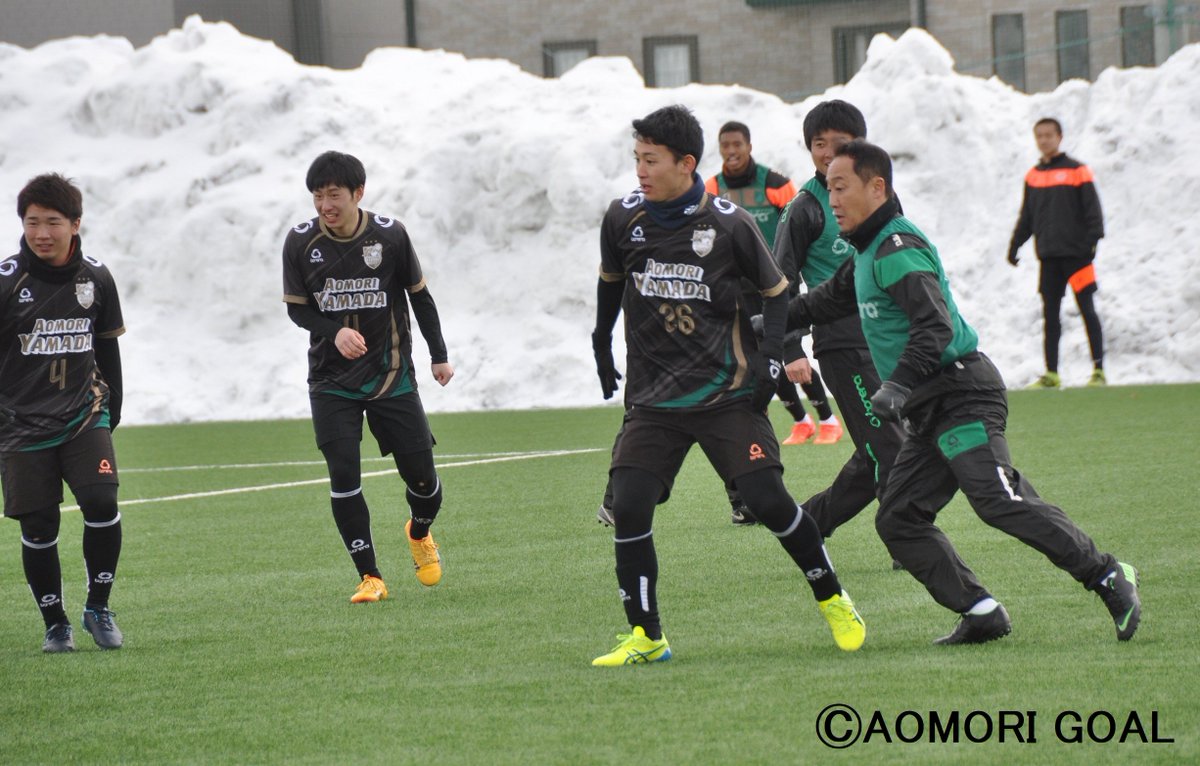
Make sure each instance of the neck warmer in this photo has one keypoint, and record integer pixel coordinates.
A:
(674, 214)
(54, 274)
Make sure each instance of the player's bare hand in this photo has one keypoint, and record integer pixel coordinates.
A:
(350, 343)
(799, 371)
(442, 372)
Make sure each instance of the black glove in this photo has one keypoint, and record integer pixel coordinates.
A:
(768, 366)
(606, 368)
(1012, 257)
(889, 400)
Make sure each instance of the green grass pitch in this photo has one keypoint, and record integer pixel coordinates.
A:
(242, 646)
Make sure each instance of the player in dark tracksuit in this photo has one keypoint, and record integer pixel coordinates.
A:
(807, 248)
(671, 259)
(955, 405)
(60, 364)
(1061, 210)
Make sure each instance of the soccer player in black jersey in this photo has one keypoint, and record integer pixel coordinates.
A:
(672, 258)
(61, 367)
(349, 276)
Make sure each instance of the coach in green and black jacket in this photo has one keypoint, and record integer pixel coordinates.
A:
(954, 401)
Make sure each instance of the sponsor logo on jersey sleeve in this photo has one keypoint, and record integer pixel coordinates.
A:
(8, 267)
(85, 293)
(373, 255)
(633, 199)
(384, 222)
(723, 205)
(300, 228)
(702, 241)
(93, 261)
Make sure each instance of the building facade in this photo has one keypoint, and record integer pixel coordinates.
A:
(789, 47)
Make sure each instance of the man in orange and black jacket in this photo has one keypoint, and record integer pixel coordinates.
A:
(1061, 210)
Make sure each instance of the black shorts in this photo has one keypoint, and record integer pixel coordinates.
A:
(33, 480)
(1057, 273)
(398, 423)
(735, 439)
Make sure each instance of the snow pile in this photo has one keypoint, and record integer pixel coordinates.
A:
(191, 153)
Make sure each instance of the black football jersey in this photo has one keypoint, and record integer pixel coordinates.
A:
(50, 319)
(686, 331)
(362, 282)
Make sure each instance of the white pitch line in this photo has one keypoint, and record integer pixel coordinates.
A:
(301, 463)
(308, 482)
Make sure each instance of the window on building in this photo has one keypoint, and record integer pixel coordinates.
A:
(559, 57)
(1137, 36)
(850, 46)
(1008, 48)
(1071, 35)
(671, 61)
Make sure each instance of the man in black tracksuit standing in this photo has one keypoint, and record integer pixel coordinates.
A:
(953, 400)
(807, 247)
(1061, 210)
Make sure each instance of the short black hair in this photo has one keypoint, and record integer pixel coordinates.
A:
(674, 127)
(836, 115)
(733, 126)
(1049, 121)
(337, 169)
(54, 192)
(869, 161)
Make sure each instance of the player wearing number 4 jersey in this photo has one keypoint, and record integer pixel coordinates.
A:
(672, 258)
(953, 400)
(348, 278)
(61, 370)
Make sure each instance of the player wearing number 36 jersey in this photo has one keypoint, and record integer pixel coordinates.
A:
(673, 257)
(683, 303)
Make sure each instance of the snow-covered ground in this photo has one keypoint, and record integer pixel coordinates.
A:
(191, 153)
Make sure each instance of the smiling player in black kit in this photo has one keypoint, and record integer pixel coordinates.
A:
(672, 257)
(349, 276)
(60, 364)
